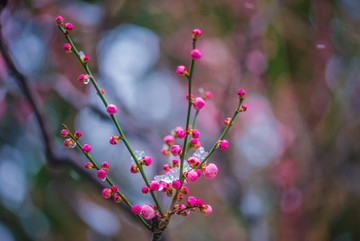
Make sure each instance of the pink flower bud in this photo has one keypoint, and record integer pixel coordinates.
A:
(114, 188)
(199, 103)
(86, 148)
(207, 95)
(136, 209)
(105, 166)
(117, 198)
(175, 150)
(195, 133)
(195, 54)
(223, 144)
(192, 98)
(154, 185)
(179, 197)
(191, 201)
(194, 143)
(102, 91)
(180, 133)
(206, 210)
(243, 108)
(134, 168)
(67, 48)
(169, 140)
(196, 33)
(165, 151)
(176, 184)
(198, 171)
(147, 211)
(210, 171)
(165, 186)
(145, 189)
(146, 161)
(193, 161)
(191, 176)
(77, 135)
(111, 109)
(101, 174)
(68, 27)
(184, 190)
(227, 121)
(69, 143)
(106, 193)
(241, 93)
(182, 71)
(199, 203)
(59, 20)
(88, 166)
(64, 132)
(84, 78)
(175, 162)
(166, 167)
(85, 59)
(114, 140)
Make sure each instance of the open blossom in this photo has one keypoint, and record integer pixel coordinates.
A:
(206, 210)
(184, 190)
(210, 171)
(199, 103)
(175, 150)
(136, 209)
(111, 109)
(193, 161)
(147, 211)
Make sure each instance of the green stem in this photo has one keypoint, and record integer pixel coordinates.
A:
(88, 156)
(123, 138)
(184, 154)
(194, 120)
(222, 135)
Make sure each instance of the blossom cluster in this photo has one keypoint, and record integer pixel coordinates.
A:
(186, 162)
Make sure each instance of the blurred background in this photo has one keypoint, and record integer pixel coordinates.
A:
(292, 171)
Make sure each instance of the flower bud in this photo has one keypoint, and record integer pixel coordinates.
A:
(59, 20)
(196, 54)
(68, 27)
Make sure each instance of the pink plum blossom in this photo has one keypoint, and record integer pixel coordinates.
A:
(136, 209)
(147, 211)
(199, 103)
(210, 171)
(196, 54)
(111, 109)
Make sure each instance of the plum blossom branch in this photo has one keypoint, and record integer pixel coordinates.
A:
(111, 109)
